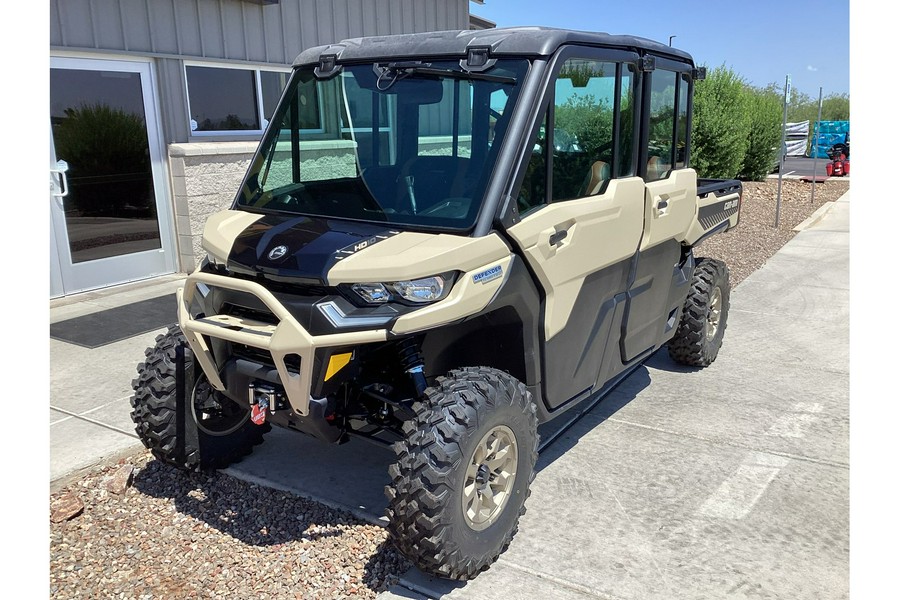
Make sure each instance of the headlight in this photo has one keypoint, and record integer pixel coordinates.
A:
(373, 293)
(416, 291)
(420, 290)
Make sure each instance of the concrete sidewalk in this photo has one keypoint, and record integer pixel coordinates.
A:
(90, 388)
(731, 481)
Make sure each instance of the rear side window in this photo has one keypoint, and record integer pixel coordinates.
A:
(682, 124)
(661, 143)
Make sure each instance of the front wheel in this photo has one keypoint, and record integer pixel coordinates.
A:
(704, 315)
(202, 430)
(463, 472)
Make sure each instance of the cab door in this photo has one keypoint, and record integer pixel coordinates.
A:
(582, 217)
(657, 290)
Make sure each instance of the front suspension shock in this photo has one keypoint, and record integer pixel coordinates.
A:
(412, 362)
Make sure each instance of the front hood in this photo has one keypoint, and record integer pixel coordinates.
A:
(300, 247)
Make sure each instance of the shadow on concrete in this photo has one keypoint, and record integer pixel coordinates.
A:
(259, 516)
(567, 434)
(661, 361)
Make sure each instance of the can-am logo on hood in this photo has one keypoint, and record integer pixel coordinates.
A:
(277, 252)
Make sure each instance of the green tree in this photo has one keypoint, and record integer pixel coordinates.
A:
(765, 110)
(721, 125)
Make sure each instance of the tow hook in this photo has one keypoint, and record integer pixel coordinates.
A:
(262, 398)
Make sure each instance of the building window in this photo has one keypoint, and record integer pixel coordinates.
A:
(227, 100)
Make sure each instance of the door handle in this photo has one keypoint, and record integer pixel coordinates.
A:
(557, 238)
(662, 203)
(61, 168)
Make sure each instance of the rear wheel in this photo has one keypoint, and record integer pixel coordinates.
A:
(206, 430)
(463, 472)
(704, 316)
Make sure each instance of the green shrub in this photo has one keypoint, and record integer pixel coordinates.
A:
(721, 125)
(766, 111)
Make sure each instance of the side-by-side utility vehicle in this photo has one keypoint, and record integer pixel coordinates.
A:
(444, 240)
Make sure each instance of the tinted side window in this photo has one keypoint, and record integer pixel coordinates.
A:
(584, 110)
(682, 132)
(661, 142)
(626, 120)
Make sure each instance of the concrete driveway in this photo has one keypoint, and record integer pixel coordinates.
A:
(726, 482)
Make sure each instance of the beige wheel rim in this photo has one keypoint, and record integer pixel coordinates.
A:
(489, 478)
(715, 313)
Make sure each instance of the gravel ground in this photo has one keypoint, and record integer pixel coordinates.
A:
(749, 245)
(207, 535)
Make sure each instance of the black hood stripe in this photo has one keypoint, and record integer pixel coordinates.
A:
(314, 245)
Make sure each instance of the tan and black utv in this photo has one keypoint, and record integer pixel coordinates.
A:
(444, 240)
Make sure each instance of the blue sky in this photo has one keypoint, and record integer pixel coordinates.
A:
(762, 40)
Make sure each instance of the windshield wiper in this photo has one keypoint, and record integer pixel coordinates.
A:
(400, 70)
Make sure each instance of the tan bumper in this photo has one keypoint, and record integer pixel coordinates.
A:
(286, 338)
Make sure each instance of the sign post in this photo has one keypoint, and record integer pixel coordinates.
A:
(787, 97)
(812, 199)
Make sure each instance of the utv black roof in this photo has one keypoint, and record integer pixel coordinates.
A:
(512, 41)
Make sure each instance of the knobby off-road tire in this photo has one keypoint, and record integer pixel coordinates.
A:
(472, 445)
(169, 429)
(704, 316)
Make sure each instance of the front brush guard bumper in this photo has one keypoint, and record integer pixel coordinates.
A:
(286, 338)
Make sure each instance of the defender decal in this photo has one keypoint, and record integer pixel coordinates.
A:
(489, 275)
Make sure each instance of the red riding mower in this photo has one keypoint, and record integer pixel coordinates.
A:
(840, 163)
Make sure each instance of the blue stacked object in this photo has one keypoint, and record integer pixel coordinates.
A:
(826, 135)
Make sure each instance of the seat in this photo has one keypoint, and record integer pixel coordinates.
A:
(435, 178)
(656, 168)
(596, 176)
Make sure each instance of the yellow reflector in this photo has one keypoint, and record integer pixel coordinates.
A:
(336, 363)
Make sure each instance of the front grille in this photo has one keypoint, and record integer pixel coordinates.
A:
(264, 357)
(252, 314)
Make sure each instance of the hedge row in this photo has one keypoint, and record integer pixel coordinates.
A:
(736, 129)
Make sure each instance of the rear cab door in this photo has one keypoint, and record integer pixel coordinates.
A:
(657, 290)
(582, 215)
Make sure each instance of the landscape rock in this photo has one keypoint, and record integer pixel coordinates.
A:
(66, 507)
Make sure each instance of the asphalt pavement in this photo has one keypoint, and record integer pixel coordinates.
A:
(725, 482)
(802, 167)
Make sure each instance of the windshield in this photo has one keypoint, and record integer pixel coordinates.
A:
(410, 143)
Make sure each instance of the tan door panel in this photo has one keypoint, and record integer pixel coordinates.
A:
(671, 208)
(567, 241)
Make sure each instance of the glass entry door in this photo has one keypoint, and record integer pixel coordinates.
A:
(110, 219)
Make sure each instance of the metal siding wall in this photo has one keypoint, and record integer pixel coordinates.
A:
(233, 30)
(137, 23)
(107, 22)
(238, 30)
(252, 21)
(173, 100)
(163, 27)
(75, 16)
(212, 36)
(56, 35)
(187, 29)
